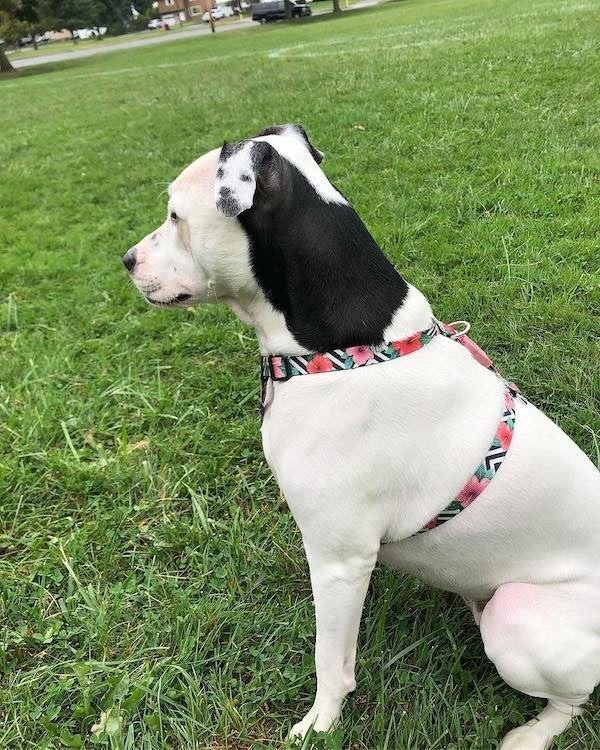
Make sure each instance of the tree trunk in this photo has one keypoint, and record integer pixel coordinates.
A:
(288, 10)
(5, 66)
(336, 6)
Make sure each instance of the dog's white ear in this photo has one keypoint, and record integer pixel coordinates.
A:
(237, 176)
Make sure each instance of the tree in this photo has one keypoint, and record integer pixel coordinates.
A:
(5, 66)
(9, 30)
(336, 6)
(119, 17)
(68, 14)
(27, 13)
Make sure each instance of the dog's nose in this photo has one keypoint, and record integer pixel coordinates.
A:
(129, 259)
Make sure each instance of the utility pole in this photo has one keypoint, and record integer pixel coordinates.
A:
(207, 7)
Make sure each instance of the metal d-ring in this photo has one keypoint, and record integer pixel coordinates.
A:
(466, 327)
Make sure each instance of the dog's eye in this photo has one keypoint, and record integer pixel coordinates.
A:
(174, 217)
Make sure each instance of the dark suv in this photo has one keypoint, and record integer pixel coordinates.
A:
(274, 10)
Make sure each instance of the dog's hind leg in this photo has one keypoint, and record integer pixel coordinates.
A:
(339, 589)
(476, 608)
(545, 642)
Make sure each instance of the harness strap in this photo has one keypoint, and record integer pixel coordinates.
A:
(485, 471)
(280, 368)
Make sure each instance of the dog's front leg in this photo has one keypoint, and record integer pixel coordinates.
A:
(339, 587)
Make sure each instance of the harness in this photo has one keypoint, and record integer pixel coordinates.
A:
(280, 369)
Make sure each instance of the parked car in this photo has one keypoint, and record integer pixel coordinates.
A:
(97, 31)
(221, 11)
(26, 40)
(165, 23)
(274, 10)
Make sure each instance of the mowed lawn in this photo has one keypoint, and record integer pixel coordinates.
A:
(154, 593)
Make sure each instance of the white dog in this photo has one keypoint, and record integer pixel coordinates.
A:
(367, 456)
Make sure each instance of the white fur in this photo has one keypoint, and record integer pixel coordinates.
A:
(370, 455)
(239, 178)
(292, 147)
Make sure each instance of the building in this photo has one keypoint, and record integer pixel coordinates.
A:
(181, 10)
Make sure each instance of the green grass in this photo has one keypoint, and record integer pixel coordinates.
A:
(149, 568)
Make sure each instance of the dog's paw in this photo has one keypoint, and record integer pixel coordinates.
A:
(531, 736)
(312, 721)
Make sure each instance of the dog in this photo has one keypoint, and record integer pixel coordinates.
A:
(380, 442)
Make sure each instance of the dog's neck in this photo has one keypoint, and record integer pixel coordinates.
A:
(274, 336)
(323, 282)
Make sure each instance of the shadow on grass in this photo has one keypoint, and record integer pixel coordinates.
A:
(49, 67)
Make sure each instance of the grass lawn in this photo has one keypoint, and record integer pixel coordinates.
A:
(153, 590)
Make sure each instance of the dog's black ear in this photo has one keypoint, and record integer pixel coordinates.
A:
(241, 166)
(298, 130)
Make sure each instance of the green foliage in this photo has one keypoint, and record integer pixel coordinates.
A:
(17, 19)
(27, 11)
(153, 590)
(68, 14)
(20, 17)
(12, 29)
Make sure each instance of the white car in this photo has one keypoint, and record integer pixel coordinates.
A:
(221, 11)
(89, 33)
(159, 23)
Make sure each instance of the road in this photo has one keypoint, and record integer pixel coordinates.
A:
(161, 36)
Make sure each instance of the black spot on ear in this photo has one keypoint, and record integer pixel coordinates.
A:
(227, 204)
(220, 173)
(261, 177)
(229, 149)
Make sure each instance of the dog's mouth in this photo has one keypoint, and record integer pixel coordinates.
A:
(179, 298)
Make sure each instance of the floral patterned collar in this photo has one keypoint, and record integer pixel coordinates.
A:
(283, 368)
(279, 368)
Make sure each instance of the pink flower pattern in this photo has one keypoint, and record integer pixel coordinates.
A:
(319, 363)
(277, 368)
(409, 345)
(360, 354)
(504, 435)
(471, 491)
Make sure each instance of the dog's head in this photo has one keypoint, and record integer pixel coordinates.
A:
(202, 250)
